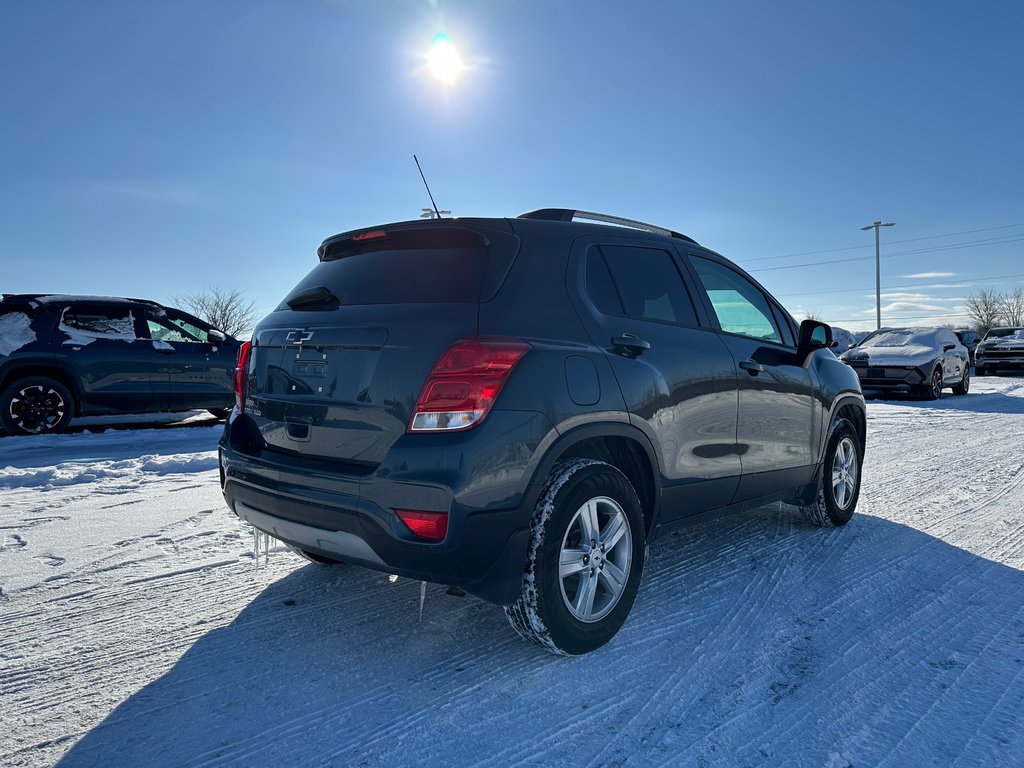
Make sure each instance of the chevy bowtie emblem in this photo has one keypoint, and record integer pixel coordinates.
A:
(298, 336)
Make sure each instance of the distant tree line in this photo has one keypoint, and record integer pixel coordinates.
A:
(990, 308)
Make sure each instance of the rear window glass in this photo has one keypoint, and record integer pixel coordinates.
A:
(118, 323)
(644, 284)
(444, 265)
(600, 286)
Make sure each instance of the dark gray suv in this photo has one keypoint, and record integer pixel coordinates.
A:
(517, 407)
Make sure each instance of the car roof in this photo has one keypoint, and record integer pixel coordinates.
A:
(536, 222)
(68, 298)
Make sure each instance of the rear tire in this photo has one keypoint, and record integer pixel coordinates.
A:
(839, 478)
(965, 383)
(585, 559)
(36, 405)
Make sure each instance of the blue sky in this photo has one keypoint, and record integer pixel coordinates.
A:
(153, 149)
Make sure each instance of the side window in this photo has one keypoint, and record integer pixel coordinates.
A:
(97, 321)
(169, 329)
(784, 324)
(188, 328)
(646, 282)
(740, 306)
(600, 286)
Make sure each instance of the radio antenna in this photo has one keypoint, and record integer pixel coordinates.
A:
(420, 169)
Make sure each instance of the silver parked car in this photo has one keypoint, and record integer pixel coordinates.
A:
(917, 361)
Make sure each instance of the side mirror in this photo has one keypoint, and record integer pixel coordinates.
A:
(814, 335)
(217, 337)
(947, 347)
(851, 346)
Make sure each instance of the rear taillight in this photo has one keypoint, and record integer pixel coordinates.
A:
(241, 374)
(431, 526)
(465, 382)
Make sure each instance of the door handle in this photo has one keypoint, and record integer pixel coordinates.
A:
(751, 366)
(631, 345)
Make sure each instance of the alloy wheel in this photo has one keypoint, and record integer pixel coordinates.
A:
(37, 408)
(595, 559)
(844, 473)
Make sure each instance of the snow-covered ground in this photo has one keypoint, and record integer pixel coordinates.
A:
(136, 628)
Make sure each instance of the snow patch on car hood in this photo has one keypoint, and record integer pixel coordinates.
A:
(912, 354)
(15, 332)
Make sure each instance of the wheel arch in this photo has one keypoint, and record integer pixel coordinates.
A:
(619, 444)
(24, 369)
(850, 407)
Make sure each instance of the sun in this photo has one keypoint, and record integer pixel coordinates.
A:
(444, 59)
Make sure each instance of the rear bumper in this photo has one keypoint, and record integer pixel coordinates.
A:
(351, 518)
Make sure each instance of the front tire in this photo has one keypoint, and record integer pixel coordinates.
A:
(933, 389)
(839, 484)
(585, 559)
(36, 405)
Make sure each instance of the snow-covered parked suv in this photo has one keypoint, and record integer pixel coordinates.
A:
(517, 407)
(67, 356)
(916, 361)
(1002, 348)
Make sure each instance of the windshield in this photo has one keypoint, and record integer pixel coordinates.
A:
(1006, 333)
(890, 338)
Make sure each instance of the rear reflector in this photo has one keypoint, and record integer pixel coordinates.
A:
(242, 374)
(431, 526)
(465, 382)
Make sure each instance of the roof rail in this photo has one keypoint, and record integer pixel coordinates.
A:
(568, 214)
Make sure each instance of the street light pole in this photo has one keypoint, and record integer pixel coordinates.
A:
(878, 270)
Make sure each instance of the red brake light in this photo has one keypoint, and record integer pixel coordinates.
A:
(431, 526)
(376, 234)
(465, 382)
(241, 374)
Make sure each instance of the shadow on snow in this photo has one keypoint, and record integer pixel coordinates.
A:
(755, 639)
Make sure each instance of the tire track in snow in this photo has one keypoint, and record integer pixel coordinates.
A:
(709, 651)
(893, 758)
